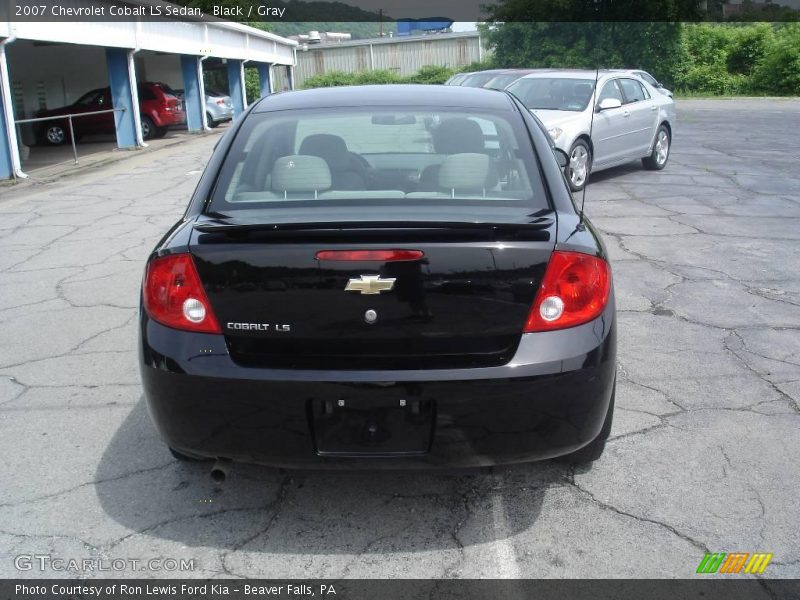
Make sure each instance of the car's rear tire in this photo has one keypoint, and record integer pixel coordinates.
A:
(660, 155)
(148, 128)
(579, 166)
(594, 449)
(186, 457)
(210, 120)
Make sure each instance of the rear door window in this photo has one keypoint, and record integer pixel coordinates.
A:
(633, 90)
(647, 77)
(145, 93)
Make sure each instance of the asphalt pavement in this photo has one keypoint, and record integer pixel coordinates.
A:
(704, 454)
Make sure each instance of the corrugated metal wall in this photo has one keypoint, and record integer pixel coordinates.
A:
(402, 56)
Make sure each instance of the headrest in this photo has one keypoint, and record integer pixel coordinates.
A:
(330, 147)
(466, 172)
(458, 135)
(300, 173)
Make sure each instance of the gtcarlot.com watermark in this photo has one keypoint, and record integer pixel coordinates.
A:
(46, 562)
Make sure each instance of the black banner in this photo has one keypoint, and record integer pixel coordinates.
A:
(702, 588)
(428, 11)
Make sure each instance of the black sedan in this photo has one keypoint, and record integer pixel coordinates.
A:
(349, 288)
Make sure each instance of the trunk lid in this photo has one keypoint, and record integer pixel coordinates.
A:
(462, 304)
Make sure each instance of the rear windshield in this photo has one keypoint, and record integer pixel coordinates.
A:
(501, 82)
(364, 156)
(476, 79)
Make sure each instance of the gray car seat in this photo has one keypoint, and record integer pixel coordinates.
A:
(299, 175)
(347, 171)
(455, 136)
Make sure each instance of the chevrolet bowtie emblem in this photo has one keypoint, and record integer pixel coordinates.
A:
(370, 284)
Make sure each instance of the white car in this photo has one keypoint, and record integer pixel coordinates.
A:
(648, 78)
(627, 120)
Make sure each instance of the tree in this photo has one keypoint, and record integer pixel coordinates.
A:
(621, 11)
(651, 46)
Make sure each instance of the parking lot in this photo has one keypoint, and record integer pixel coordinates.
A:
(704, 455)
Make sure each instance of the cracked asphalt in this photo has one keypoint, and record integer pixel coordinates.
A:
(704, 454)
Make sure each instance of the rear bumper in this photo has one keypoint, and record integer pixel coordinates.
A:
(220, 113)
(550, 400)
(165, 118)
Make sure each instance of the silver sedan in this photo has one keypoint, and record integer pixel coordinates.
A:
(627, 120)
(219, 108)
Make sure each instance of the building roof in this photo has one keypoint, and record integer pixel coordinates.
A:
(431, 37)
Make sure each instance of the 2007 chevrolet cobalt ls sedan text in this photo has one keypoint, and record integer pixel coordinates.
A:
(354, 286)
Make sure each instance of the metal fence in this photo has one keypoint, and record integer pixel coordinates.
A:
(69, 118)
(401, 55)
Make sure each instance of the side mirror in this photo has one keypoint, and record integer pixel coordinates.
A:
(659, 84)
(562, 158)
(607, 103)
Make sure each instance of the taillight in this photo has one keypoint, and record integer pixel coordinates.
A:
(221, 102)
(379, 255)
(174, 296)
(574, 290)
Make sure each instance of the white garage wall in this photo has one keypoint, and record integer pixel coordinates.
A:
(162, 68)
(62, 72)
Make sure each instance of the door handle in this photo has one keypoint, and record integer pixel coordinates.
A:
(653, 108)
(626, 114)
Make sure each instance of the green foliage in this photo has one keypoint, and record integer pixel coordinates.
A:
(749, 47)
(753, 58)
(427, 75)
(652, 46)
(779, 71)
(358, 29)
(432, 74)
(694, 58)
(252, 86)
(594, 11)
(475, 66)
(338, 78)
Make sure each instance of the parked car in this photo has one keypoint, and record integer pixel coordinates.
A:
(457, 79)
(502, 80)
(159, 108)
(629, 119)
(219, 107)
(441, 301)
(481, 78)
(648, 78)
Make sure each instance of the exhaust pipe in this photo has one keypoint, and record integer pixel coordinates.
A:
(219, 472)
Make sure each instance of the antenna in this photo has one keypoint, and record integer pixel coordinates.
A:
(591, 126)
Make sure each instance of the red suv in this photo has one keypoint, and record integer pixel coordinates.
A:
(159, 107)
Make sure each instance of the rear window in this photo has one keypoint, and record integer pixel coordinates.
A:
(365, 156)
(501, 82)
(145, 93)
(476, 80)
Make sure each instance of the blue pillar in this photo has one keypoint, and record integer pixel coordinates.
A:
(6, 165)
(236, 86)
(7, 140)
(193, 93)
(265, 78)
(120, 64)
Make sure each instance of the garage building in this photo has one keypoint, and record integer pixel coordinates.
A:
(52, 64)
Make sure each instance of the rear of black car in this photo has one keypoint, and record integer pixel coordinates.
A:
(380, 277)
